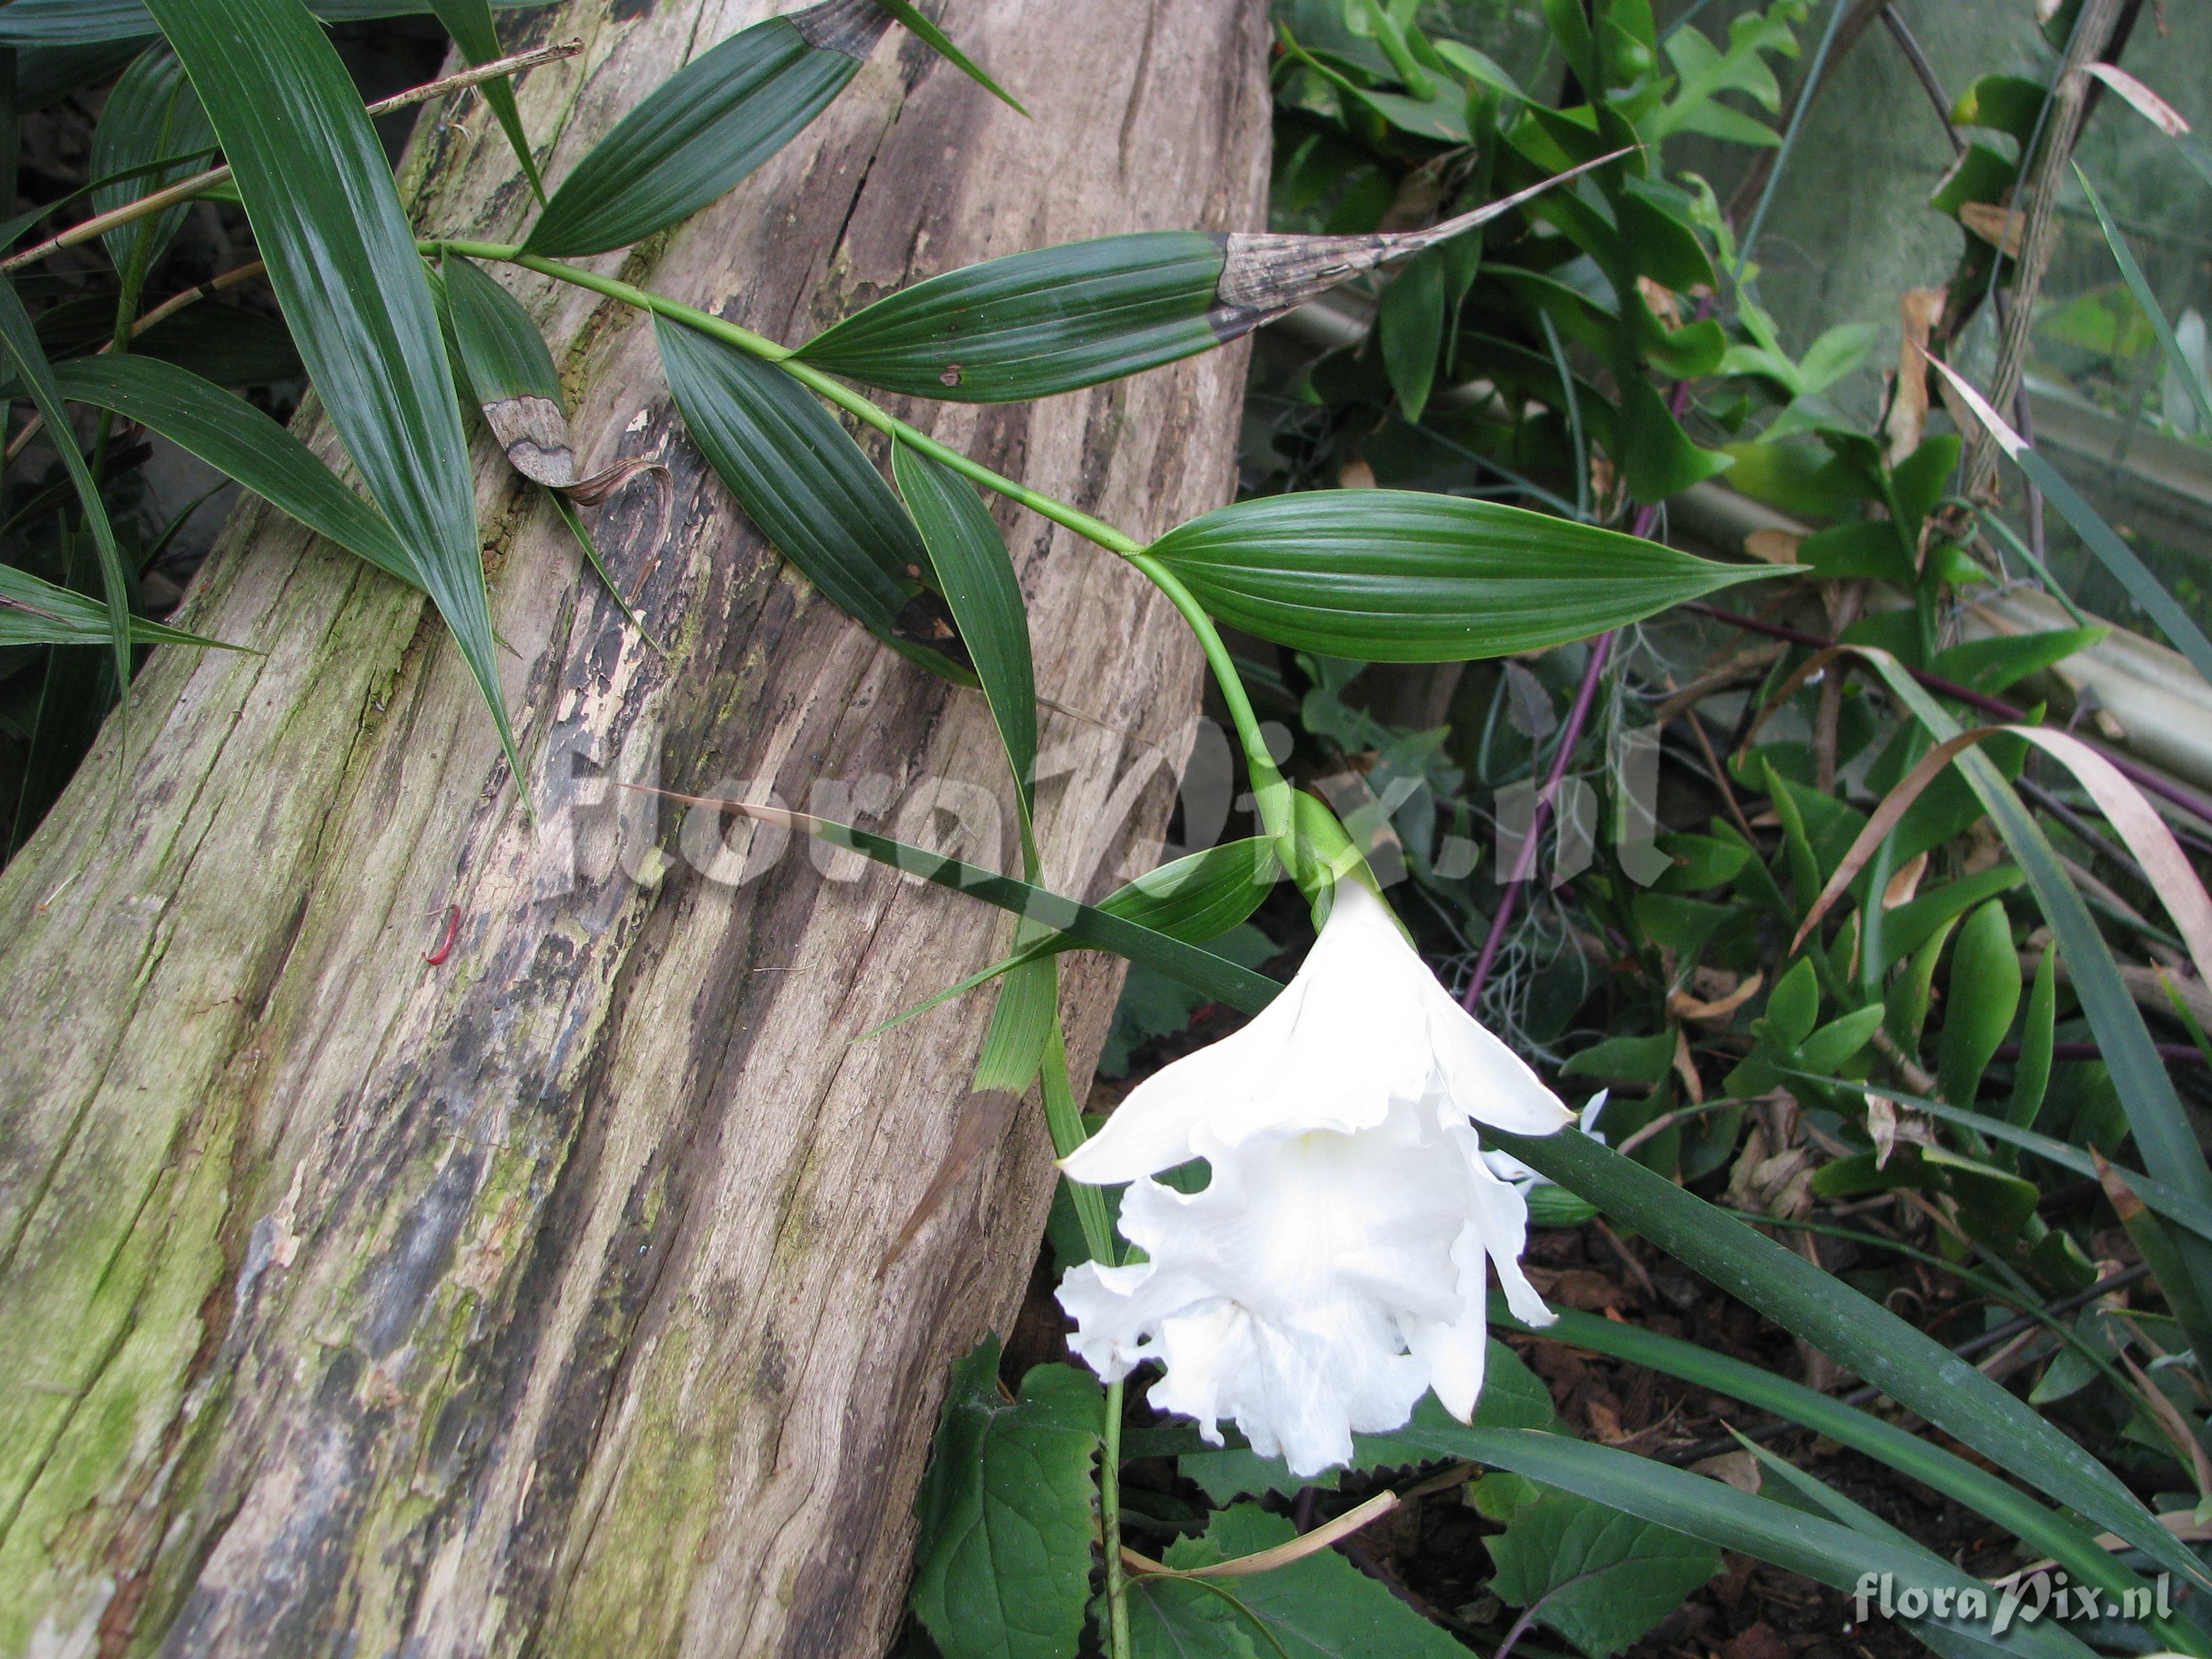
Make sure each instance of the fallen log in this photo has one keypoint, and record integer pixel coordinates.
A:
(431, 1222)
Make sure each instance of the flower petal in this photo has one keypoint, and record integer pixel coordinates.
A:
(1483, 1078)
(1501, 1217)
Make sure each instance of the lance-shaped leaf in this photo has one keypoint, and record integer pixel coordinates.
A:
(1390, 575)
(2180, 367)
(1195, 898)
(986, 602)
(94, 22)
(240, 442)
(1905, 1364)
(468, 21)
(941, 43)
(19, 338)
(319, 195)
(1090, 926)
(707, 125)
(151, 113)
(2116, 556)
(813, 494)
(512, 373)
(1059, 319)
(34, 611)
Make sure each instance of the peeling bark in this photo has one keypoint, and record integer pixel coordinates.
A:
(525, 1301)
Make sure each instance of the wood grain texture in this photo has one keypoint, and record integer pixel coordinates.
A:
(526, 1302)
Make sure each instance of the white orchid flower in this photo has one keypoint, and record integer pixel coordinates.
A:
(1333, 1269)
(1506, 1167)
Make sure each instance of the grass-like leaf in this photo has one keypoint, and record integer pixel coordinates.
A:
(19, 338)
(468, 21)
(1904, 1362)
(151, 113)
(35, 611)
(941, 43)
(240, 442)
(96, 23)
(341, 257)
(2139, 285)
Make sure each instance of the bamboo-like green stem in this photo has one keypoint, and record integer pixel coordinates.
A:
(1109, 1526)
(1271, 791)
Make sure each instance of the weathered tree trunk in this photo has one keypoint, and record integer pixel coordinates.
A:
(526, 1299)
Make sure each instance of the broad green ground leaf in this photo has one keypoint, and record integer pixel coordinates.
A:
(806, 484)
(341, 256)
(1390, 575)
(97, 23)
(151, 113)
(1904, 1362)
(1984, 995)
(20, 339)
(1821, 1550)
(2164, 1139)
(1513, 1397)
(978, 581)
(469, 23)
(1319, 1607)
(1003, 1569)
(35, 611)
(239, 441)
(1599, 1578)
(698, 133)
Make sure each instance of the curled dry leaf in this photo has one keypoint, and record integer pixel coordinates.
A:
(1683, 1005)
(1905, 883)
(2001, 228)
(1265, 274)
(534, 432)
(1906, 422)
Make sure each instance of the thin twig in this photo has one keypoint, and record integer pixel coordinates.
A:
(161, 313)
(200, 183)
(1926, 70)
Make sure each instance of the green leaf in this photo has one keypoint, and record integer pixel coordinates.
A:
(2031, 1073)
(503, 353)
(1319, 1607)
(1599, 1578)
(341, 257)
(34, 611)
(941, 43)
(698, 133)
(468, 21)
(2044, 1530)
(1032, 325)
(1411, 319)
(2115, 554)
(1912, 923)
(92, 22)
(20, 341)
(1185, 1618)
(1387, 575)
(1821, 1550)
(986, 602)
(808, 487)
(1004, 1566)
(1198, 897)
(1865, 1337)
(1992, 666)
(1088, 925)
(240, 442)
(2139, 285)
(1984, 995)
(2163, 1136)
(151, 113)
